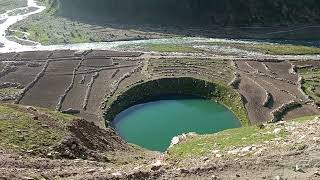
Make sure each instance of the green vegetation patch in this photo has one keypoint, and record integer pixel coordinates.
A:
(305, 119)
(204, 144)
(11, 4)
(273, 49)
(50, 28)
(9, 92)
(21, 131)
(311, 82)
(47, 28)
(182, 48)
(286, 49)
(18, 34)
(201, 145)
(51, 33)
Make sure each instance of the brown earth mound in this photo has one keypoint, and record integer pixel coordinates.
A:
(88, 141)
(45, 133)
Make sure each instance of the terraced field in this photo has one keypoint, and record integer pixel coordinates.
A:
(272, 90)
(80, 82)
(310, 78)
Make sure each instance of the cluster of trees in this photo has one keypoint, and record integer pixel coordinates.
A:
(198, 12)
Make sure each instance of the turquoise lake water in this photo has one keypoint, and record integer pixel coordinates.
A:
(152, 125)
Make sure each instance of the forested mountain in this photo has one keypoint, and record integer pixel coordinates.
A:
(197, 12)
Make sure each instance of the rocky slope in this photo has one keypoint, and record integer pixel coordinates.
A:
(286, 150)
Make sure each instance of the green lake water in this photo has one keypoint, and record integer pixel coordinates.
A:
(152, 125)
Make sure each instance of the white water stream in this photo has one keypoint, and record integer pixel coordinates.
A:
(11, 46)
(10, 19)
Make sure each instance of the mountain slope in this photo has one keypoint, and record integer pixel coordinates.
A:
(197, 12)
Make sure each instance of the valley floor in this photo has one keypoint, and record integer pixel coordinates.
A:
(263, 81)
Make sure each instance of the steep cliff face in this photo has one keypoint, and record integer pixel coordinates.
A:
(198, 12)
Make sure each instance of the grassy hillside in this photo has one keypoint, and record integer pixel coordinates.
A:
(202, 145)
(22, 130)
(47, 133)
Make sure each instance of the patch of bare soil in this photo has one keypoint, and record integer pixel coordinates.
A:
(23, 74)
(47, 91)
(74, 98)
(282, 70)
(305, 110)
(31, 56)
(86, 140)
(254, 97)
(7, 56)
(98, 91)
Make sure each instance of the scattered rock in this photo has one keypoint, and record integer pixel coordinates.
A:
(302, 137)
(184, 171)
(35, 117)
(277, 130)
(258, 152)
(215, 151)
(248, 148)
(218, 155)
(214, 177)
(117, 174)
(261, 126)
(27, 178)
(30, 108)
(205, 159)
(175, 140)
(21, 138)
(234, 152)
(74, 146)
(290, 128)
(298, 169)
(317, 173)
(156, 166)
(278, 178)
(316, 139)
(70, 111)
(281, 123)
(91, 171)
(44, 126)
